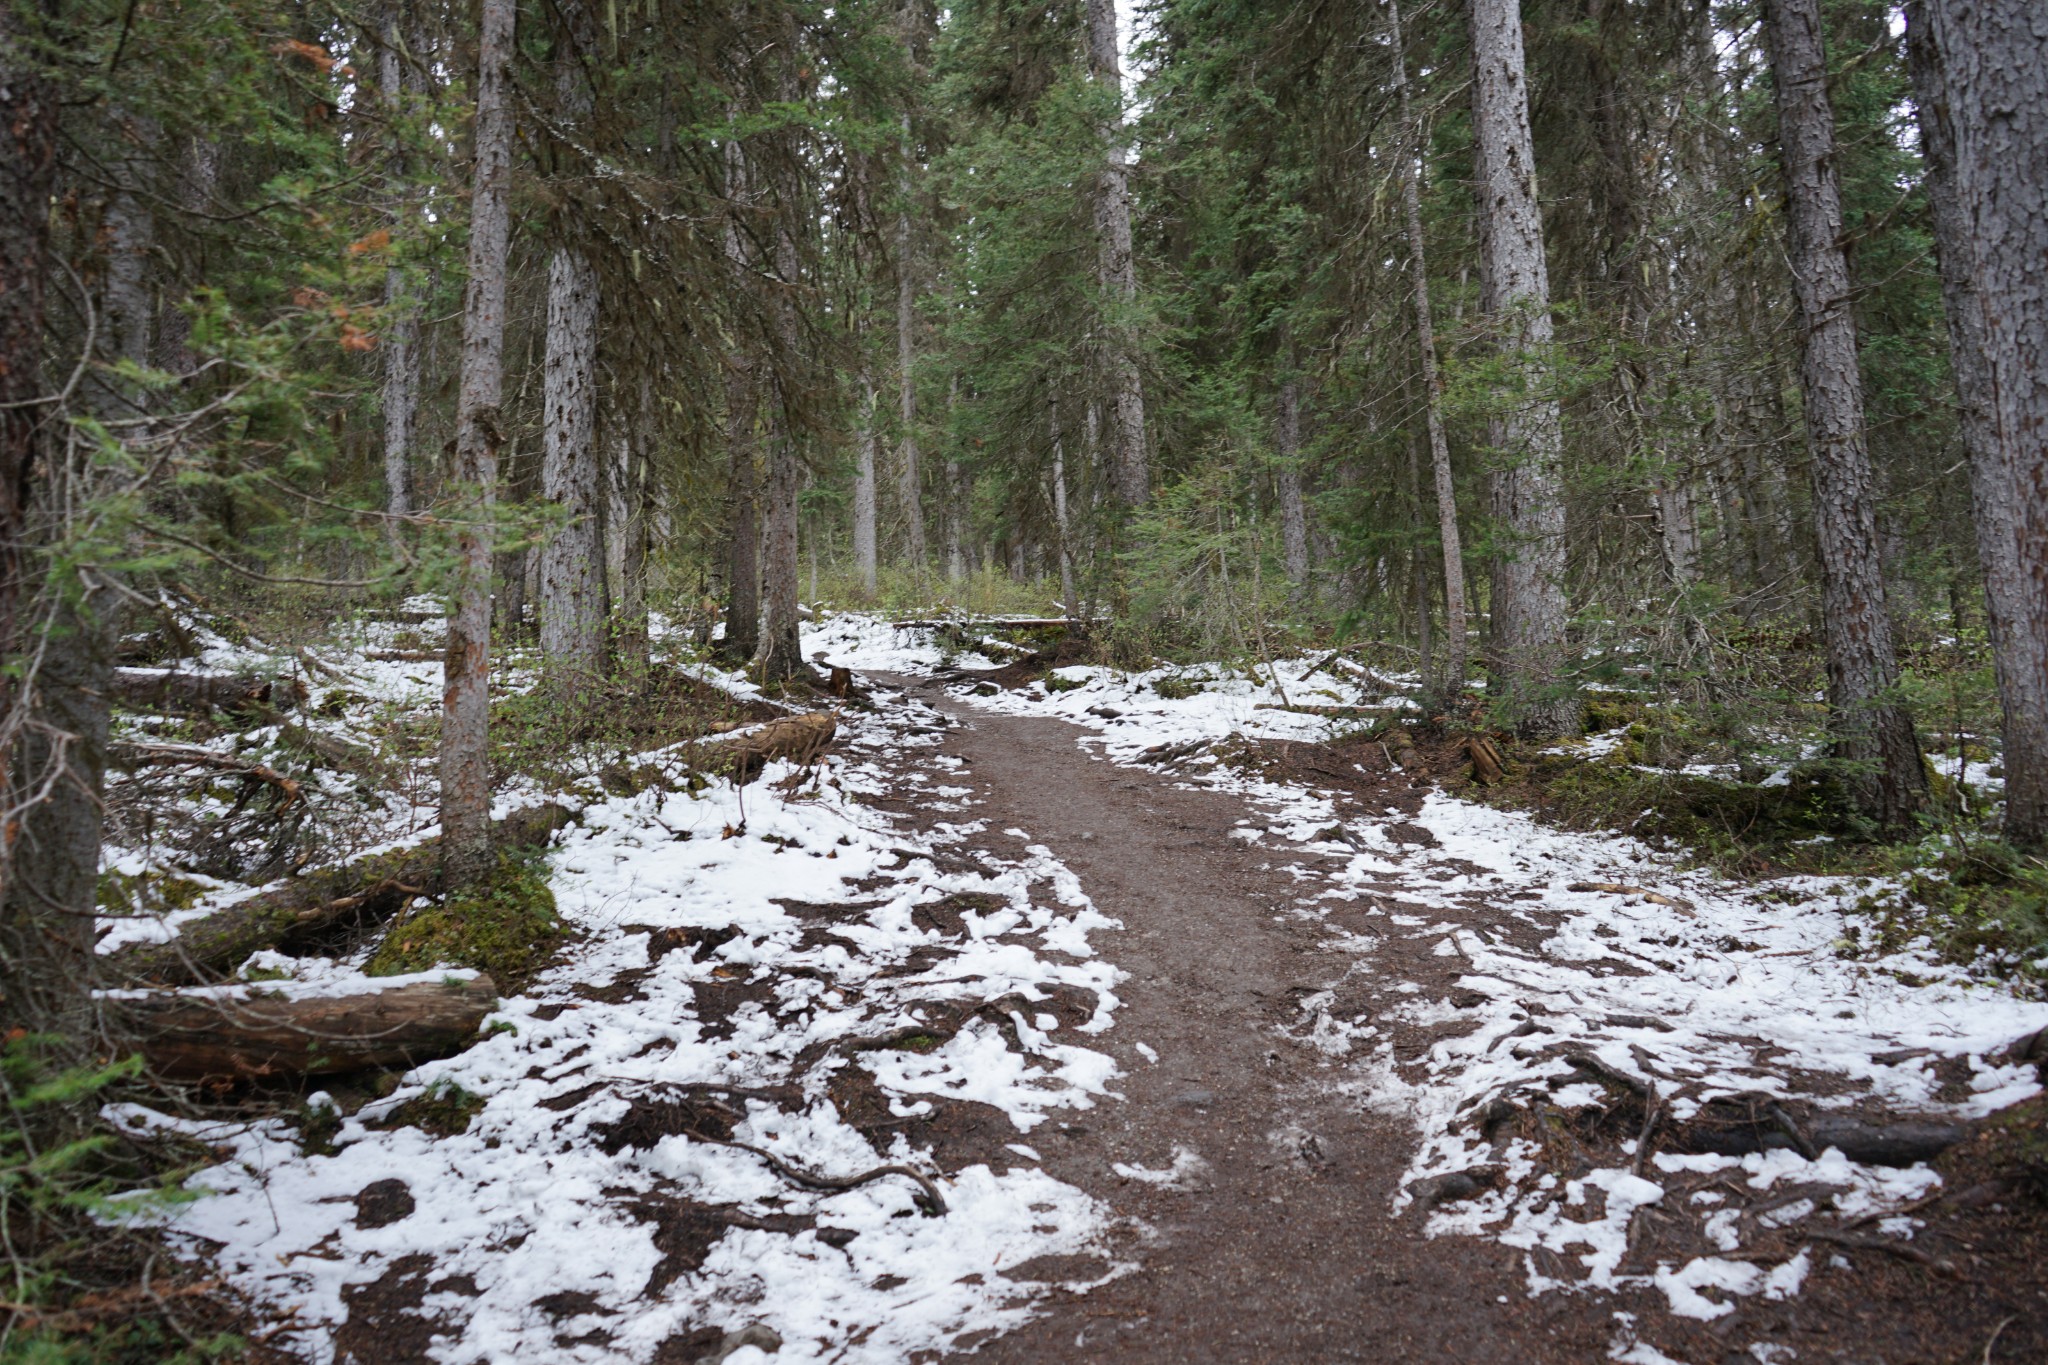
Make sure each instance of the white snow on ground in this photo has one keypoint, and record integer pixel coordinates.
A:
(726, 942)
(1693, 986)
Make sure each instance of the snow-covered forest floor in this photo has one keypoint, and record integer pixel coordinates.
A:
(1665, 1094)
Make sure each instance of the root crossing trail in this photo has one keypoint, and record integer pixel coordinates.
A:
(1257, 1194)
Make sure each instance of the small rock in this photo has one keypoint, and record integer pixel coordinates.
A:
(1195, 1099)
(837, 1237)
(1453, 1186)
(381, 1203)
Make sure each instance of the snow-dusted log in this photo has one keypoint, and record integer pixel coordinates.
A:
(326, 899)
(191, 1037)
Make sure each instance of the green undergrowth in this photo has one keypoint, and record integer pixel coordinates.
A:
(1982, 904)
(504, 924)
(444, 1110)
(70, 1186)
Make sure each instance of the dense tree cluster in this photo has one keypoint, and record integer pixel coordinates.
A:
(1647, 336)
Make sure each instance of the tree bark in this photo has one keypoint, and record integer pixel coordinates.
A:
(1065, 547)
(781, 646)
(571, 591)
(909, 480)
(1525, 429)
(194, 1038)
(1116, 262)
(864, 488)
(465, 698)
(1871, 729)
(626, 528)
(1980, 76)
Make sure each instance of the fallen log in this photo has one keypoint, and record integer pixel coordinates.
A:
(315, 903)
(185, 1037)
(999, 623)
(743, 756)
(1623, 889)
(149, 689)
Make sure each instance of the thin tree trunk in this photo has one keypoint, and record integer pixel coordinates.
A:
(1871, 729)
(1287, 479)
(908, 484)
(626, 539)
(1526, 430)
(401, 325)
(1115, 260)
(1982, 89)
(1059, 509)
(465, 700)
(956, 514)
(864, 488)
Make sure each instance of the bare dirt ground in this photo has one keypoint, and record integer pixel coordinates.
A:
(1279, 1244)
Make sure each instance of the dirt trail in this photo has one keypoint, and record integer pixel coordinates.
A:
(1281, 1248)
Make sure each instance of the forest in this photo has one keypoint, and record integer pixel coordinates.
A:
(519, 518)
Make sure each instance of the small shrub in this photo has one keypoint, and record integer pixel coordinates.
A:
(1179, 689)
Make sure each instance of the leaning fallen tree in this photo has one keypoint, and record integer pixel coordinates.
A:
(314, 905)
(217, 1038)
(167, 692)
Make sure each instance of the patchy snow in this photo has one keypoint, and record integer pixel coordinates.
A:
(744, 962)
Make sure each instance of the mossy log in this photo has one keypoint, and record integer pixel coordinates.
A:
(744, 755)
(185, 1037)
(161, 692)
(313, 904)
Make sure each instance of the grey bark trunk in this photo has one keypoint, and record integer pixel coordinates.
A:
(401, 325)
(1871, 729)
(465, 700)
(1980, 75)
(571, 588)
(864, 562)
(1116, 262)
(1526, 430)
(1287, 481)
(908, 479)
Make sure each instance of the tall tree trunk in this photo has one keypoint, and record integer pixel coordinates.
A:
(864, 487)
(781, 645)
(742, 401)
(1287, 479)
(1980, 77)
(1871, 729)
(1525, 429)
(956, 512)
(571, 588)
(781, 641)
(465, 698)
(401, 325)
(1115, 261)
(572, 580)
(908, 485)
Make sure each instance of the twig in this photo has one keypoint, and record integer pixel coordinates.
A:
(933, 1203)
(1899, 1249)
